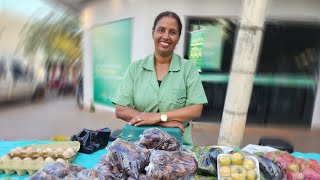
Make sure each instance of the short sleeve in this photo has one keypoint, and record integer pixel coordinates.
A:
(195, 91)
(124, 93)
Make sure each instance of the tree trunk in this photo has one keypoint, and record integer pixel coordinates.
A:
(242, 73)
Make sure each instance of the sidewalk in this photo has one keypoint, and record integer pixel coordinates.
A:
(41, 121)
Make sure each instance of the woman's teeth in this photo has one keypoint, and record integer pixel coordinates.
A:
(164, 44)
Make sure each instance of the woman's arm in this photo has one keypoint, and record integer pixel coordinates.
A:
(180, 115)
(173, 124)
(185, 114)
(126, 113)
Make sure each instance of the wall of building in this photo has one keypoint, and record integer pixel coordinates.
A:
(10, 27)
(144, 12)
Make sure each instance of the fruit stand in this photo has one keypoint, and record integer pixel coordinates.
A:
(159, 155)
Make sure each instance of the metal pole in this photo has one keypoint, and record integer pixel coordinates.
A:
(242, 73)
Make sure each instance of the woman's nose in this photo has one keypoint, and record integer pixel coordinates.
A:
(166, 35)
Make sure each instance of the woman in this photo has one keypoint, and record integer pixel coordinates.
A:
(163, 88)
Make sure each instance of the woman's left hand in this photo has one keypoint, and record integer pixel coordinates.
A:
(174, 124)
(145, 119)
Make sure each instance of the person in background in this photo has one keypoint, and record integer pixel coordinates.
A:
(163, 88)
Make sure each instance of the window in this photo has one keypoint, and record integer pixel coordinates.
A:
(286, 76)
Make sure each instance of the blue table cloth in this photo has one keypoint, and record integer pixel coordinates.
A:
(90, 160)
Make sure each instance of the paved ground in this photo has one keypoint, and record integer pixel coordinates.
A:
(29, 121)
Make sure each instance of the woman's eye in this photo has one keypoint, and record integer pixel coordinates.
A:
(161, 30)
(173, 33)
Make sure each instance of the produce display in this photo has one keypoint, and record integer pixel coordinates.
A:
(30, 159)
(238, 167)
(171, 165)
(158, 155)
(141, 160)
(295, 168)
(155, 138)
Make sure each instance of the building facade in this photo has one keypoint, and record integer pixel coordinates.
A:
(286, 85)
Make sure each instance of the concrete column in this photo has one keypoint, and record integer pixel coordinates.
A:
(242, 73)
(87, 58)
(315, 124)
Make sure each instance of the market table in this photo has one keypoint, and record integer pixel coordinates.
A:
(90, 160)
(85, 160)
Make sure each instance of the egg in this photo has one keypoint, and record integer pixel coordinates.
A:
(19, 148)
(49, 159)
(5, 158)
(29, 150)
(13, 152)
(61, 160)
(27, 159)
(67, 154)
(49, 150)
(71, 150)
(60, 150)
(40, 159)
(16, 159)
(54, 153)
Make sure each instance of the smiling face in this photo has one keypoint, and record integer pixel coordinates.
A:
(166, 36)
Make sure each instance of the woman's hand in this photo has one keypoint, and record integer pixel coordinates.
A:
(173, 124)
(154, 119)
(145, 119)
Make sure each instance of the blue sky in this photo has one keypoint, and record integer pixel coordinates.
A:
(26, 8)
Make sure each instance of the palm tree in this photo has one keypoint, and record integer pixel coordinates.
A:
(58, 37)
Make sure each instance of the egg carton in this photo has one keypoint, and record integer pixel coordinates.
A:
(17, 161)
(64, 150)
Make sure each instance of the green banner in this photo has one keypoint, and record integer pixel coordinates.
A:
(111, 50)
(205, 47)
(195, 48)
(212, 48)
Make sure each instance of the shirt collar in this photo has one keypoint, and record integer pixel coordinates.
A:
(174, 64)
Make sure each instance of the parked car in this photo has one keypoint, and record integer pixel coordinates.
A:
(17, 82)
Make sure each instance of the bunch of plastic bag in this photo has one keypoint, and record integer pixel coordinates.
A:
(207, 159)
(155, 138)
(125, 159)
(57, 170)
(171, 165)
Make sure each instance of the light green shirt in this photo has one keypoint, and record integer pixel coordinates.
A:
(181, 86)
